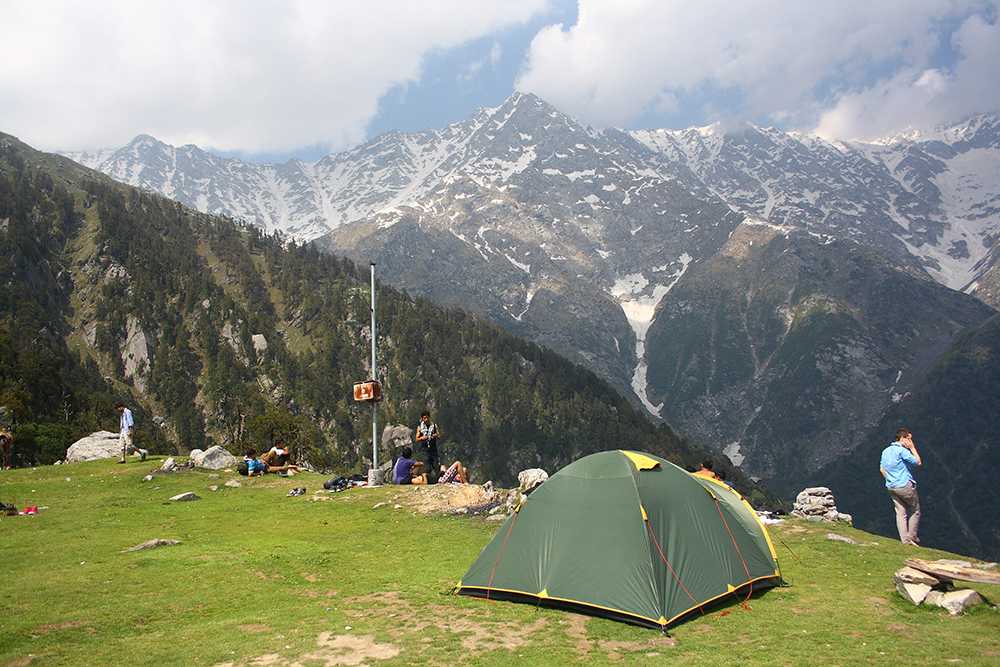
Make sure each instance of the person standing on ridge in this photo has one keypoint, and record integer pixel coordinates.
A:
(125, 434)
(427, 440)
(896, 466)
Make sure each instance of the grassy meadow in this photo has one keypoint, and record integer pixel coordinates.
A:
(325, 579)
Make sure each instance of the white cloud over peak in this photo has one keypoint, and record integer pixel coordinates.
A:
(780, 58)
(252, 76)
(922, 98)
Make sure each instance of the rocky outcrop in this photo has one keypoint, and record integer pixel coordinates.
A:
(214, 458)
(99, 445)
(920, 587)
(135, 354)
(817, 504)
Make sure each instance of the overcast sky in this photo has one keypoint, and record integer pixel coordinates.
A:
(269, 80)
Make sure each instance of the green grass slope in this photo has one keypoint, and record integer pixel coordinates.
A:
(261, 578)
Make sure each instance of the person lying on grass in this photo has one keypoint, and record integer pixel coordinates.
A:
(258, 466)
(454, 474)
(407, 470)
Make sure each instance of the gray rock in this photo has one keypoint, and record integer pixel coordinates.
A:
(378, 505)
(186, 496)
(152, 544)
(215, 458)
(397, 437)
(957, 602)
(845, 518)
(530, 479)
(147, 478)
(840, 538)
(908, 575)
(99, 445)
(985, 566)
(490, 491)
(933, 598)
(914, 593)
(814, 519)
(213, 487)
(195, 453)
(57, 463)
(815, 491)
(951, 562)
(496, 517)
(169, 465)
(234, 484)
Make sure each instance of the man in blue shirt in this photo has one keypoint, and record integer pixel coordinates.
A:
(897, 464)
(125, 424)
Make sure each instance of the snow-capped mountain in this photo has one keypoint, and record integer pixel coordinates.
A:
(930, 196)
(572, 236)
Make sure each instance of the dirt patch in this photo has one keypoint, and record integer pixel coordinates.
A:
(441, 498)
(311, 578)
(331, 651)
(20, 662)
(254, 627)
(615, 649)
(349, 650)
(477, 630)
(576, 630)
(49, 628)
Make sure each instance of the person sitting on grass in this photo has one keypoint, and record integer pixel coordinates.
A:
(407, 470)
(456, 473)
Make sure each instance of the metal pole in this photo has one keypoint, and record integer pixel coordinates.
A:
(374, 377)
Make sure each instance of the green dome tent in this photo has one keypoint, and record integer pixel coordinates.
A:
(628, 536)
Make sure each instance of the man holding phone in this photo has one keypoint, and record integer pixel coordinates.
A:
(896, 465)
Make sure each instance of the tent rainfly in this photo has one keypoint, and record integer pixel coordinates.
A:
(628, 536)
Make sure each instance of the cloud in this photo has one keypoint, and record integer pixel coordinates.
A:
(253, 76)
(470, 70)
(787, 61)
(922, 98)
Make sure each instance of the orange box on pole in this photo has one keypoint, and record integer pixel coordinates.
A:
(370, 390)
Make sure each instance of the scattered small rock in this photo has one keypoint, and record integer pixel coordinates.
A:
(840, 538)
(213, 487)
(233, 484)
(397, 507)
(496, 517)
(378, 505)
(186, 496)
(152, 544)
(147, 478)
(168, 465)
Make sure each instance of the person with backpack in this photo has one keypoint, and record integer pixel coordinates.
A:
(126, 424)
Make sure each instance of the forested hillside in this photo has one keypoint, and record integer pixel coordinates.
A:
(222, 335)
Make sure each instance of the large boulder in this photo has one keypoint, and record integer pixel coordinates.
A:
(214, 458)
(530, 479)
(99, 445)
(397, 437)
(957, 602)
(913, 593)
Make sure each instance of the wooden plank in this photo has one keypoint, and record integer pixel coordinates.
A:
(942, 571)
